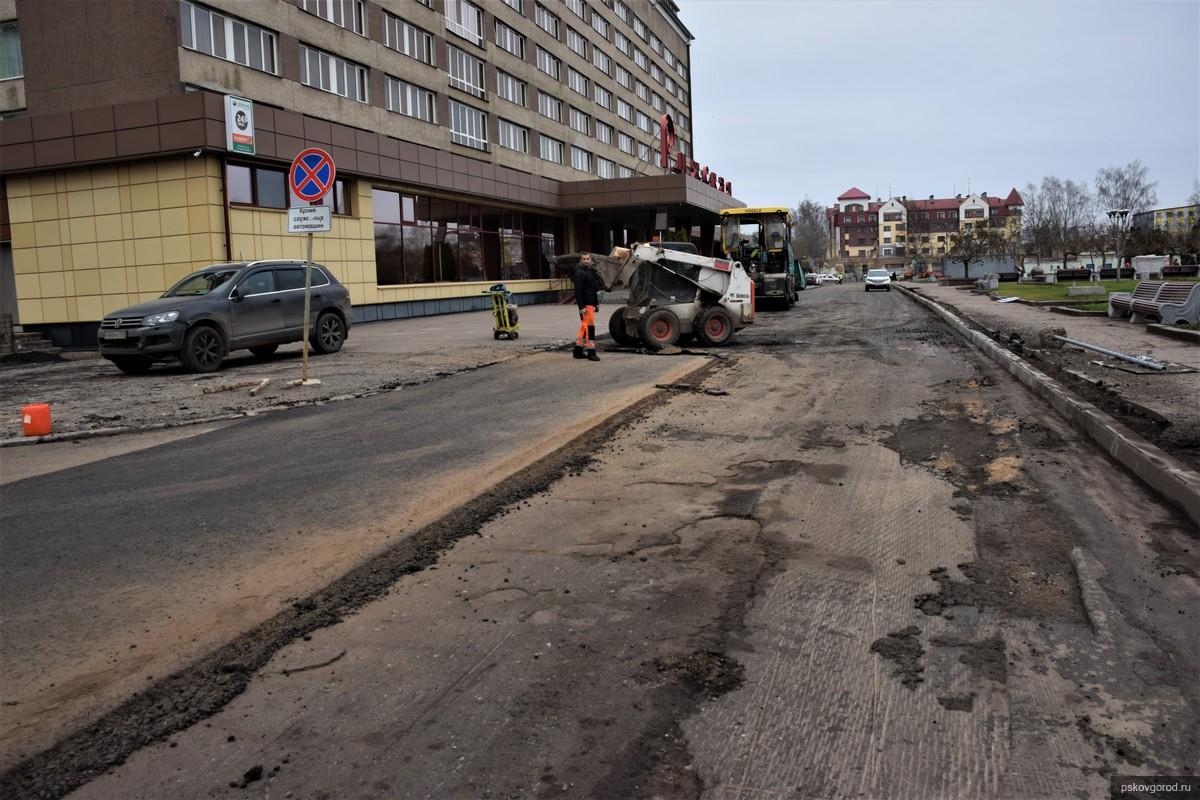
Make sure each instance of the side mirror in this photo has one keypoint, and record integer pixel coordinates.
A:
(236, 295)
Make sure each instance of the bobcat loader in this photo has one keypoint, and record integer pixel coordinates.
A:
(674, 295)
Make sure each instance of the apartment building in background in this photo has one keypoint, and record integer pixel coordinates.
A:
(897, 233)
(473, 141)
(1175, 220)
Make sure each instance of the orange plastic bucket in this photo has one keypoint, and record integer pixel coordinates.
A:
(36, 419)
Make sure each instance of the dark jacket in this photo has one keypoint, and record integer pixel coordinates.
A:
(586, 288)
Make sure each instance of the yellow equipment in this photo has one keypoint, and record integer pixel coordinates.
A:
(504, 313)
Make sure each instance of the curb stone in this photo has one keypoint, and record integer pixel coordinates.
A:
(1169, 477)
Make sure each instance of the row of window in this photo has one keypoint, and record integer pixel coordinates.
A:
(220, 35)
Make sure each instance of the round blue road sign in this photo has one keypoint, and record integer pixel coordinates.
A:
(312, 174)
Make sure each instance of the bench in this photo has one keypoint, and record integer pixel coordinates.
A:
(1121, 303)
(1110, 273)
(1174, 303)
(1176, 270)
(1073, 275)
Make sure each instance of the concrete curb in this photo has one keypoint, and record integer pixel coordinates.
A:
(1176, 483)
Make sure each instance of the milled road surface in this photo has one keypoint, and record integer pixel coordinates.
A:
(859, 564)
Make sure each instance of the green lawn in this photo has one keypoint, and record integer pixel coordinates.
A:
(1058, 291)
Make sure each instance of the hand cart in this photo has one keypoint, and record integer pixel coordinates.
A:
(504, 313)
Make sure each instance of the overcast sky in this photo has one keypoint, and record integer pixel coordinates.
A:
(796, 99)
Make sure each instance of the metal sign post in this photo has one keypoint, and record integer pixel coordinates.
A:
(311, 177)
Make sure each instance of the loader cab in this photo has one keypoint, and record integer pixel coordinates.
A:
(674, 283)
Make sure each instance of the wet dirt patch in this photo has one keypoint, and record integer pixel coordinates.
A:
(957, 702)
(987, 657)
(904, 648)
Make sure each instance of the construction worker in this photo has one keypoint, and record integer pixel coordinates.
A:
(588, 299)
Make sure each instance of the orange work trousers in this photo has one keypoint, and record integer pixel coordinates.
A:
(586, 337)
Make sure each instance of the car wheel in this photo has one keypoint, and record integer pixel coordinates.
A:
(714, 326)
(659, 329)
(616, 329)
(866, 288)
(133, 365)
(203, 349)
(330, 335)
(265, 350)
(888, 288)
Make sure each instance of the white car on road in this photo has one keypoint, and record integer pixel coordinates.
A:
(878, 279)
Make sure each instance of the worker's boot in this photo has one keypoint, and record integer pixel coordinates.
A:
(578, 352)
(591, 356)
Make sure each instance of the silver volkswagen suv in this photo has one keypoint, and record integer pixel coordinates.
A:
(244, 305)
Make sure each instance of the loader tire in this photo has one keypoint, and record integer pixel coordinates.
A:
(616, 329)
(659, 329)
(713, 326)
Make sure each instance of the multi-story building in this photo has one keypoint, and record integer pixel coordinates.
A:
(1175, 220)
(898, 232)
(472, 141)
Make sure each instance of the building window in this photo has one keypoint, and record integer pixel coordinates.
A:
(465, 19)
(604, 97)
(642, 91)
(11, 65)
(468, 126)
(346, 14)
(466, 71)
(669, 57)
(512, 136)
(580, 121)
(545, 20)
(621, 10)
(622, 42)
(639, 27)
(655, 72)
(549, 64)
(512, 89)
(624, 78)
(216, 34)
(407, 39)
(604, 132)
(510, 40)
(576, 6)
(332, 74)
(577, 43)
(624, 110)
(624, 171)
(640, 59)
(581, 159)
(941, 215)
(606, 168)
(657, 102)
(643, 151)
(577, 82)
(643, 122)
(625, 143)
(550, 106)
(550, 149)
(411, 101)
(516, 5)
(602, 61)
(257, 186)
(599, 24)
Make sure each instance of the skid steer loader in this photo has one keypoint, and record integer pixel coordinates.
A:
(674, 295)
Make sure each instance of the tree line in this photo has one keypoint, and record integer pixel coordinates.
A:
(1060, 218)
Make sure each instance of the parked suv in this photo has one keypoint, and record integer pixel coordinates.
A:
(255, 306)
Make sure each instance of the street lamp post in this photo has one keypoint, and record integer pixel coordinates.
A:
(1119, 214)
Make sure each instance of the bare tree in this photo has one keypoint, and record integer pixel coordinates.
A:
(1125, 188)
(811, 232)
(1194, 197)
(974, 243)
(1054, 216)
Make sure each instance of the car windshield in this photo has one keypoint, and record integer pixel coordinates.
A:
(202, 283)
(877, 273)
